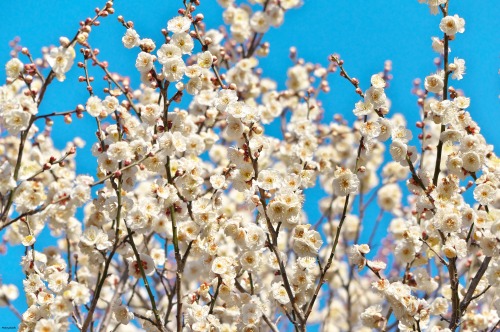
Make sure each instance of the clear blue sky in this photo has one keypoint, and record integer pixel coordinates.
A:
(365, 33)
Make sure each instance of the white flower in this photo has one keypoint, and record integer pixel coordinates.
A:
(250, 260)
(225, 3)
(130, 39)
(61, 60)
(385, 129)
(225, 98)
(357, 255)
(136, 219)
(120, 151)
(495, 229)
(440, 108)
(450, 25)
(259, 22)
(28, 240)
(150, 113)
(8, 292)
(269, 179)
(46, 325)
(193, 87)
(6, 180)
(179, 24)
(398, 150)
(433, 5)
(234, 128)
(13, 68)
(279, 293)
(255, 238)
(447, 221)
(195, 144)
(148, 265)
(313, 240)
(205, 59)
(174, 69)
(485, 193)
(377, 265)
(33, 283)
(370, 129)
(122, 315)
(183, 41)
(461, 102)
(289, 4)
(110, 104)
(76, 292)
(389, 197)
(363, 108)
(376, 96)
(458, 68)
(439, 306)
(345, 182)
(172, 142)
(434, 83)
(57, 281)
(372, 317)
(94, 106)
(405, 252)
(455, 247)
(61, 307)
(493, 274)
(144, 62)
(158, 255)
(221, 265)
(438, 45)
(189, 230)
(147, 44)
(16, 121)
(241, 30)
(250, 314)
(298, 78)
(197, 312)
(489, 245)
(217, 181)
(193, 71)
(238, 110)
(381, 285)
(93, 236)
(307, 262)
(471, 161)
(402, 134)
(275, 14)
(377, 81)
(168, 51)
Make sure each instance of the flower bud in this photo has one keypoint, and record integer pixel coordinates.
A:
(67, 119)
(64, 41)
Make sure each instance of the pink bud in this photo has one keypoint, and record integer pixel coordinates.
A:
(67, 119)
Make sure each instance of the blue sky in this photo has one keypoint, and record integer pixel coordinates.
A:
(365, 33)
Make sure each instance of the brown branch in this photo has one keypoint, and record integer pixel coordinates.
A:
(472, 288)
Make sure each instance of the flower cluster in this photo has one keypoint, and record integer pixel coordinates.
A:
(196, 218)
